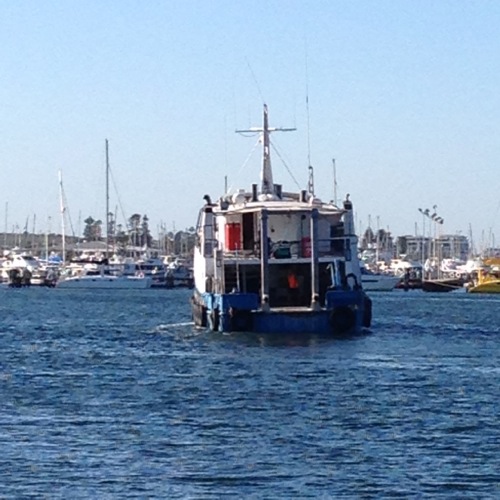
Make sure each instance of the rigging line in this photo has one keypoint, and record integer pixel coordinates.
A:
(251, 134)
(118, 196)
(284, 163)
(255, 80)
(69, 216)
(66, 210)
(245, 163)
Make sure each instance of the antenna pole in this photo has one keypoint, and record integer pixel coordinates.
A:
(267, 173)
(307, 112)
(310, 184)
(334, 182)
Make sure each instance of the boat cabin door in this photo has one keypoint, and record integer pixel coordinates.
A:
(248, 231)
(337, 273)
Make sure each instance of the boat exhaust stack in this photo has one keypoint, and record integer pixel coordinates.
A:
(254, 192)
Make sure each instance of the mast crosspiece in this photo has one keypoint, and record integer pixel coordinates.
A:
(266, 175)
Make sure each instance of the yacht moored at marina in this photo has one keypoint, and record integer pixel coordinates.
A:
(23, 269)
(378, 282)
(100, 275)
(271, 261)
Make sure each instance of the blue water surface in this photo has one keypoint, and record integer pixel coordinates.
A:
(117, 395)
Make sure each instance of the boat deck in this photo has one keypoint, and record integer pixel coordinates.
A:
(290, 309)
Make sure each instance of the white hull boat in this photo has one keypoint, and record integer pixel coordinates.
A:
(105, 281)
(94, 275)
(379, 282)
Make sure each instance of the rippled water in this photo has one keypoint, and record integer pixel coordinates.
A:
(117, 395)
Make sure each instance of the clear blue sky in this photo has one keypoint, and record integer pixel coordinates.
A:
(405, 95)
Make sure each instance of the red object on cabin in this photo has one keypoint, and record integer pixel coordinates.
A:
(306, 246)
(233, 236)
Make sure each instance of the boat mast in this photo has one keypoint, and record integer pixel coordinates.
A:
(267, 184)
(266, 175)
(63, 217)
(107, 198)
(47, 239)
(6, 225)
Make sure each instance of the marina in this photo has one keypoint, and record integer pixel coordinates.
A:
(230, 301)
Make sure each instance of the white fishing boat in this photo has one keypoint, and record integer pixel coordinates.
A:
(272, 261)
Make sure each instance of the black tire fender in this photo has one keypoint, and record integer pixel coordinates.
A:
(367, 312)
(342, 319)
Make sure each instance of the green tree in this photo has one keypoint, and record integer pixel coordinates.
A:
(134, 223)
(146, 238)
(93, 229)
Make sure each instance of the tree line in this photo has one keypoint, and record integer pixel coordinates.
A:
(137, 232)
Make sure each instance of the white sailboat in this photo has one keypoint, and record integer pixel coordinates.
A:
(92, 274)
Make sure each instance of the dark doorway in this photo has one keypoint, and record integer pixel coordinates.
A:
(248, 232)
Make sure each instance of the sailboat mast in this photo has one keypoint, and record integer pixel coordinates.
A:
(63, 224)
(6, 225)
(107, 197)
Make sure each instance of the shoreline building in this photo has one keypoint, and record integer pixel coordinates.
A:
(446, 246)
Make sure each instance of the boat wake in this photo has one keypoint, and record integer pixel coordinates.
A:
(162, 327)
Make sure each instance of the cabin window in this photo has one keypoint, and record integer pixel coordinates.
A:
(348, 254)
(337, 239)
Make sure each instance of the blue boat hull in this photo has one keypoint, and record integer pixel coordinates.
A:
(343, 312)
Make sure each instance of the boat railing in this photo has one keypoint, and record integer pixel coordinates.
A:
(286, 249)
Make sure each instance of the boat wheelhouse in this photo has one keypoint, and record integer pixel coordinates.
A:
(271, 261)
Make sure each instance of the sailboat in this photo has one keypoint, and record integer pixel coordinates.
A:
(100, 274)
(271, 261)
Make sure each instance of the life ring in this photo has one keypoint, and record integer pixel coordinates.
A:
(342, 319)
